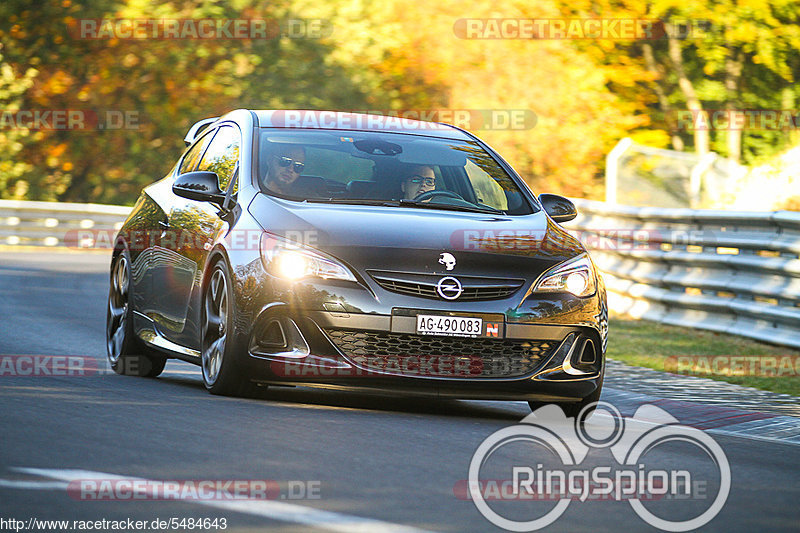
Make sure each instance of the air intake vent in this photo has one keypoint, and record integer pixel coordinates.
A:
(451, 357)
(424, 285)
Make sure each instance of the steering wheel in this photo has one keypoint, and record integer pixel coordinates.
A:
(427, 195)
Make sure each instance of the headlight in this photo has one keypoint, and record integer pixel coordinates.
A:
(292, 261)
(576, 276)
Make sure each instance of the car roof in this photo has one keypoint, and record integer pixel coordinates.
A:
(342, 120)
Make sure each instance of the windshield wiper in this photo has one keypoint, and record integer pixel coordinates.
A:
(450, 207)
(354, 201)
(405, 203)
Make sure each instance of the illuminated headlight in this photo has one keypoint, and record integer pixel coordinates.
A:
(294, 261)
(576, 276)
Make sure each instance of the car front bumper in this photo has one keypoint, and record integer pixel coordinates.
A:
(350, 351)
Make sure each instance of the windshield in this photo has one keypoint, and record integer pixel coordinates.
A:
(386, 169)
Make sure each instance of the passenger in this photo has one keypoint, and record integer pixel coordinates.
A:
(284, 167)
(420, 179)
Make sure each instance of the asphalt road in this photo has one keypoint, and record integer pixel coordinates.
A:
(368, 462)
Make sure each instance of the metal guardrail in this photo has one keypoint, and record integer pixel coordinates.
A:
(55, 223)
(733, 272)
(726, 271)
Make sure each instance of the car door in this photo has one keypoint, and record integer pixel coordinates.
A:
(195, 225)
(170, 272)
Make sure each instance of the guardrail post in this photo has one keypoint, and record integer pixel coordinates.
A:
(737, 273)
(696, 178)
(612, 168)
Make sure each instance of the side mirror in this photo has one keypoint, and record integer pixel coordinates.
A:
(559, 208)
(201, 186)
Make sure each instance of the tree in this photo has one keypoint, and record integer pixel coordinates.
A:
(12, 86)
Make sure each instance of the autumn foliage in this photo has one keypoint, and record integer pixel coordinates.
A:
(585, 94)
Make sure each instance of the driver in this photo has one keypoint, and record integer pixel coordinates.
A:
(420, 179)
(284, 167)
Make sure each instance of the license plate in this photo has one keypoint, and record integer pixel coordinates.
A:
(454, 326)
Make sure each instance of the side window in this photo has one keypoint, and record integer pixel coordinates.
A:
(487, 190)
(194, 153)
(222, 155)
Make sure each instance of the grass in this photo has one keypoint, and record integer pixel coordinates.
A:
(661, 347)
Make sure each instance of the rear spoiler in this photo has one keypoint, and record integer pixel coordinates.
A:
(197, 128)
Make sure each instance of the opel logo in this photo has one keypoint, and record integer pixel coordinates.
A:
(449, 288)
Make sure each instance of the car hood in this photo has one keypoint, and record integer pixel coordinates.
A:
(413, 239)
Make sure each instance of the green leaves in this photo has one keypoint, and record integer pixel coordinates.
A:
(380, 55)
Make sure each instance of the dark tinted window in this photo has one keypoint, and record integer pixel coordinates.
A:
(359, 167)
(193, 155)
(222, 155)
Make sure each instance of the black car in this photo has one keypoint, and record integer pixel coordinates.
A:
(356, 252)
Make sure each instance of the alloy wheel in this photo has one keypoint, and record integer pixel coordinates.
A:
(215, 325)
(117, 322)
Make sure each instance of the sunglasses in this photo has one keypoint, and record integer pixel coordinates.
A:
(286, 161)
(427, 182)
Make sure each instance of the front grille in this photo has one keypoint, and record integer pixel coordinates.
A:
(443, 357)
(424, 285)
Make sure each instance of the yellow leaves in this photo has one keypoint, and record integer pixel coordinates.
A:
(17, 32)
(57, 150)
(242, 65)
(66, 166)
(130, 60)
(59, 83)
(655, 138)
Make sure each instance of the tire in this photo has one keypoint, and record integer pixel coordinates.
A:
(220, 364)
(573, 409)
(127, 355)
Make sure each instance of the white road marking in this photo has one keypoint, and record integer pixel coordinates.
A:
(274, 510)
(32, 485)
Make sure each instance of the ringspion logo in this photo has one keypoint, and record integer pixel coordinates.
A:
(625, 466)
